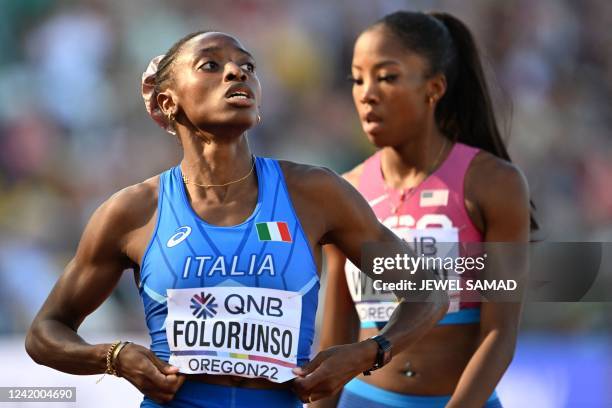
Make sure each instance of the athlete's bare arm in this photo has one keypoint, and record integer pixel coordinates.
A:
(111, 243)
(340, 323)
(347, 221)
(501, 195)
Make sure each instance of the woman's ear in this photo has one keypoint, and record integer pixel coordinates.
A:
(166, 101)
(436, 87)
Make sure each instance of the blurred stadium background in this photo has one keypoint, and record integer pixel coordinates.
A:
(73, 130)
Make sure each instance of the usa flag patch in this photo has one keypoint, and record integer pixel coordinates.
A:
(433, 198)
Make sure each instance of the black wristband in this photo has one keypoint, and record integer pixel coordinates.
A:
(383, 354)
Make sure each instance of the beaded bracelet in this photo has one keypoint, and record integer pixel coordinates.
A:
(109, 355)
(109, 358)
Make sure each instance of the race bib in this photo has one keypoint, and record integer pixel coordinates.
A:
(374, 306)
(248, 332)
(378, 311)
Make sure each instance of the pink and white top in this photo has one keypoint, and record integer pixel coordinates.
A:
(431, 217)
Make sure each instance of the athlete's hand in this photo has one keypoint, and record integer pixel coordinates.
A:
(327, 373)
(155, 378)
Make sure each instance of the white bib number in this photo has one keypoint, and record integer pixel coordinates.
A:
(248, 332)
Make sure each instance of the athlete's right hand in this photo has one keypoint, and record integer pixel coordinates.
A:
(155, 378)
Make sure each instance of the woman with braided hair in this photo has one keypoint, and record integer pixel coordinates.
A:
(226, 249)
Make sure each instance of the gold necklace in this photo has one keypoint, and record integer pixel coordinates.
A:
(432, 168)
(187, 181)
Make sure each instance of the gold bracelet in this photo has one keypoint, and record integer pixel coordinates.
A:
(116, 355)
(109, 366)
(109, 356)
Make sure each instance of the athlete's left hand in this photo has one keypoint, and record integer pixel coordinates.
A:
(327, 373)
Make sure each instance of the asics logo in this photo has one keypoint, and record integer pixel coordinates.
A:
(181, 234)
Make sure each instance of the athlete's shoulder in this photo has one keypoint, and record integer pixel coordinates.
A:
(135, 201)
(306, 175)
(112, 224)
(354, 175)
(316, 184)
(128, 209)
(488, 168)
(325, 199)
(496, 180)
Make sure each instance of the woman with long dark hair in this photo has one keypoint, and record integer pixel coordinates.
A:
(226, 249)
(441, 174)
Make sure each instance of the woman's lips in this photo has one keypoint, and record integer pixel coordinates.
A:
(240, 101)
(371, 127)
(240, 95)
(371, 122)
(372, 117)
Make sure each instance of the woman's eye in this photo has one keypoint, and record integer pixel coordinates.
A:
(209, 66)
(387, 78)
(354, 81)
(248, 66)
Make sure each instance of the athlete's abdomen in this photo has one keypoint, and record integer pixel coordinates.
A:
(432, 366)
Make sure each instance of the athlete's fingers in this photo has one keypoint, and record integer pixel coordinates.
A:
(312, 380)
(327, 373)
(170, 369)
(152, 376)
(304, 386)
(321, 384)
(155, 376)
(181, 380)
(175, 380)
(310, 366)
(162, 392)
(162, 366)
(139, 366)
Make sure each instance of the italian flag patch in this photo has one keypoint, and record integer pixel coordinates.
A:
(273, 231)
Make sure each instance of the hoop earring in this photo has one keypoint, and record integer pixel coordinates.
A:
(258, 119)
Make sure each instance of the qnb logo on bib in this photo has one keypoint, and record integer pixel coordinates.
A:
(203, 306)
(181, 234)
(244, 331)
